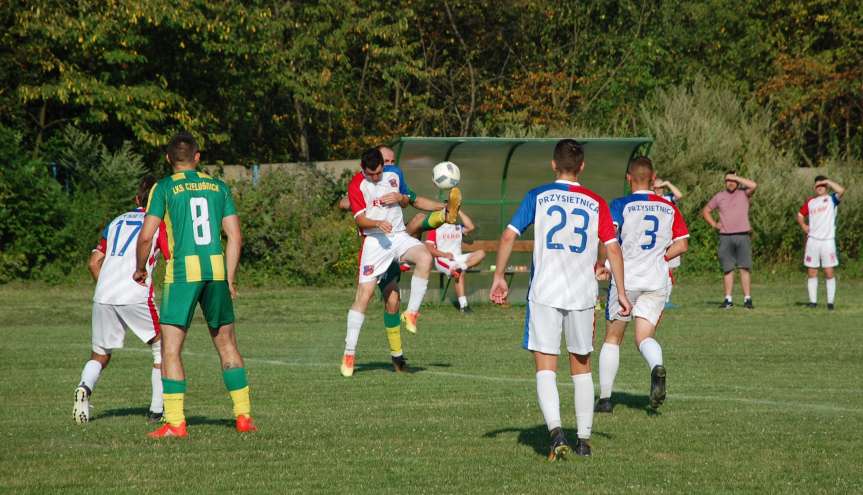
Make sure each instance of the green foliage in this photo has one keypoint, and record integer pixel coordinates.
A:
(292, 231)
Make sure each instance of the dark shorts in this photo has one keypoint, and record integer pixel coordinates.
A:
(179, 300)
(393, 274)
(735, 251)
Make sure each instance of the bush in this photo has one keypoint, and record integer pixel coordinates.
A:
(292, 230)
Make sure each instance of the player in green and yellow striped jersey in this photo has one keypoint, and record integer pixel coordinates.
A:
(195, 208)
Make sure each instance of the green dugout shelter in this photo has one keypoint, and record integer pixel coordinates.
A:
(497, 172)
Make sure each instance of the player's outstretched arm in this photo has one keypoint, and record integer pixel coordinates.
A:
(233, 246)
(801, 221)
(677, 248)
(499, 289)
(426, 204)
(145, 243)
(615, 257)
(466, 222)
(95, 263)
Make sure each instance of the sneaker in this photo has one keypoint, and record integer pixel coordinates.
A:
(726, 304)
(559, 446)
(582, 448)
(830, 306)
(603, 405)
(812, 305)
(453, 205)
(410, 320)
(400, 364)
(347, 367)
(155, 417)
(166, 431)
(747, 303)
(245, 424)
(465, 310)
(81, 410)
(657, 386)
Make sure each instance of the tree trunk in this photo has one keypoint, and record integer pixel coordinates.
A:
(301, 125)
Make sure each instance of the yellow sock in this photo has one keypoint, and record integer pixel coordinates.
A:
(394, 336)
(242, 403)
(174, 409)
(435, 219)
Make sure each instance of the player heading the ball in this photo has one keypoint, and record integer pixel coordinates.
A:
(569, 223)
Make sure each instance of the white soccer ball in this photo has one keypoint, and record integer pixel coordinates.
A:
(446, 175)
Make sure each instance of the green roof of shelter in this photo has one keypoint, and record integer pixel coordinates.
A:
(496, 172)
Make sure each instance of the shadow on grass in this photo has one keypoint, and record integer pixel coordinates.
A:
(638, 402)
(201, 420)
(124, 411)
(537, 437)
(382, 365)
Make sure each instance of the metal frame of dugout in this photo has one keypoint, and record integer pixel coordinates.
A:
(497, 172)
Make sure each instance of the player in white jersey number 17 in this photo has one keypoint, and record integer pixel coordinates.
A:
(651, 232)
(569, 223)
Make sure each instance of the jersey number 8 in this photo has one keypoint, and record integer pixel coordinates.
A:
(200, 221)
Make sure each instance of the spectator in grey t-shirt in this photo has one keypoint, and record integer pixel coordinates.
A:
(735, 246)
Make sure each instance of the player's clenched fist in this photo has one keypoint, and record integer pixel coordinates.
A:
(385, 227)
(499, 291)
(390, 198)
(623, 301)
(140, 276)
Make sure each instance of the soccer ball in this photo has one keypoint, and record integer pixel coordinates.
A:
(446, 175)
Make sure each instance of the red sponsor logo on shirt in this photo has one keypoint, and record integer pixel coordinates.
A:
(368, 270)
(394, 183)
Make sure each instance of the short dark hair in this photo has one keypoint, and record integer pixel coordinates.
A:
(819, 178)
(568, 155)
(730, 172)
(640, 168)
(182, 148)
(144, 187)
(372, 159)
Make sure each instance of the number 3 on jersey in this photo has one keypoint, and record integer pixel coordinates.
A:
(581, 231)
(200, 221)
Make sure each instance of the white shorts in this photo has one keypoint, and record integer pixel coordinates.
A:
(543, 325)
(379, 251)
(446, 266)
(645, 304)
(820, 253)
(110, 323)
(674, 262)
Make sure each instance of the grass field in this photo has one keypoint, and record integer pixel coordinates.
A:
(763, 401)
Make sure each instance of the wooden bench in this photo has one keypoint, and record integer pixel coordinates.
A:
(490, 247)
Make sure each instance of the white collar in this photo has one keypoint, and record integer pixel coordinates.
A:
(643, 191)
(563, 181)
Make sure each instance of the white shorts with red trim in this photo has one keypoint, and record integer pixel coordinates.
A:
(446, 266)
(110, 323)
(380, 250)
(545, 324)
(820, 253)
(645, 304)
(674, 262)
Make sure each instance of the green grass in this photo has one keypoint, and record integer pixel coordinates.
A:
(763, 401)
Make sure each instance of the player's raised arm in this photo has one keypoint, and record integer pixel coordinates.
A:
(674, 190)
(145, 242)
(233, 246)
(839, 190)
(749, 184)
(467, 223)
(499, 289)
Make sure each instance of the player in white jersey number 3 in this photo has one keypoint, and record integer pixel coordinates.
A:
(569, 223)
(820, 231)
(121, 304)
(651, 231)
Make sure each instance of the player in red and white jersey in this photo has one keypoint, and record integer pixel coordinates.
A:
(651, 231)
(569, 223)
(666, 190)
(820, 211)
(377, 195)
(121, 304)
(444, 243)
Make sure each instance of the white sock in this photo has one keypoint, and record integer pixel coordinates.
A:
(728, 297)
(668, 297)
(651, 352)
(549, 402)
(90, 374)
(812, 287)
(831, 290)
(418, 292)
(156, 404)
(462, 301)
(583, 385)
(609, 362)
(355, 323)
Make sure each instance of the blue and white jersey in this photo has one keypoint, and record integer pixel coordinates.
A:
(568, 221)
(646, 225)
(364, 196)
